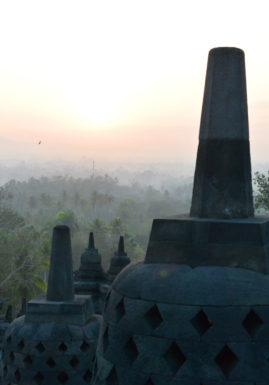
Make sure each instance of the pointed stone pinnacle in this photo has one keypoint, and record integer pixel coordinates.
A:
(60, 282)
(222, 183)
(91, 241)
(121, 250)
(119, 260)
(23, 308)
(9, 314)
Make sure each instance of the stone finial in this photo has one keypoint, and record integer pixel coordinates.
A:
(23, 308)
(118, 261)
(222, 182)
(91, 241)
(60, 282)
(121, 250)
(9, 314)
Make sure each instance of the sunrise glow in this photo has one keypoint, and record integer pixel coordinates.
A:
(121, 79)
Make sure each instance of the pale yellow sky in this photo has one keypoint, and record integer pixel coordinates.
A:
(122, 79)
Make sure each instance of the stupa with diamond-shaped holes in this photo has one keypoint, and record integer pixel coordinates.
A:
(55, 342)
(196, 310)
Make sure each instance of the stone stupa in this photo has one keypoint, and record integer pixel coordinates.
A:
(118, 262)
(196, 310)
(55, 342)
(90, 278)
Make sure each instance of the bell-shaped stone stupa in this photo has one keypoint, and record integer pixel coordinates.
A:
(119, 260)
(196, 311)
(91, 278)
(55, 342)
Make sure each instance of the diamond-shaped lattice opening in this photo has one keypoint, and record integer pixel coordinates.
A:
(17, 375)
(149, 382)
(153, 317)
(74, 362)
(12, 357)
(174, 358)
(131, 351)
(105, 339)
(226, 360)
(112, 378)
(50, 362)
(252, 323)
(120, 310)
(84, 346)
(28, 360)
(21, 344)
(40, 347)
(201, 322)
(63, 378)
(62, 347)
(39, 378)
(87, 376)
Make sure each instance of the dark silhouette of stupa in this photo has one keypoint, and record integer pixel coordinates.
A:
(196, 310)
(55, 341)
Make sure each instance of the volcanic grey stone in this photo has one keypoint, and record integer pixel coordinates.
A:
(60, 283)
(118, 261)
(196, 311)
(55, 342)
(202, 242)
(222, 182)
(90, 279)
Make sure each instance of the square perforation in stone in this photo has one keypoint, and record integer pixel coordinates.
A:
(17, 375)
(252, 323)
(84, 347)
(63, 378)
(226, 360)
(131, 351)
(174, 358)
(40, 347)
(149, 382)
(28, 360)
(39, 378)
(50, 362)
(74, 361)
(62, 347)
(153, 317)
(201, 322)
(87, 376)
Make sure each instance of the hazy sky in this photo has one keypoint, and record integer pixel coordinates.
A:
(122, 80)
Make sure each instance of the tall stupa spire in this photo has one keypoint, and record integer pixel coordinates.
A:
(60, 282)
(222, 182)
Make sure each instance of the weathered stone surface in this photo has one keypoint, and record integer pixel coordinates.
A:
(196, 312)
(60, 282)
(221, 189)
(55, 342)
(201, 286)
(118, 261)
(204, 242)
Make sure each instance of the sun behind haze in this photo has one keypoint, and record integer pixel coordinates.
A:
(121, 79)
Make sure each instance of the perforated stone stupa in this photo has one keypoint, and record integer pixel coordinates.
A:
(55, 342)
(91, 278)
(196, 310)
(119, 260)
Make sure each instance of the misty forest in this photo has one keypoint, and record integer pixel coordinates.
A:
(29, 210)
